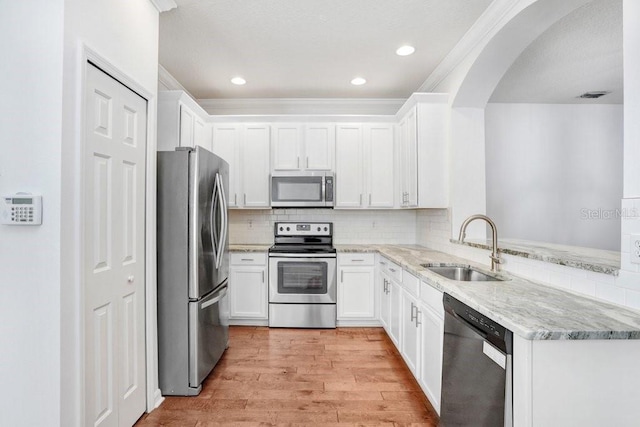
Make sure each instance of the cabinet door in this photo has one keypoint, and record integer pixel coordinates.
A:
(286, 144)
(410, 160)
(380, 170)
(255, 166)
(384, 301)
(186, 127)
(349, 174)
(431, 355)
(248, 293)
(319, 146)
(395, 308)
(226, 144)
(410, 332)
(200, 134)
(356, 297)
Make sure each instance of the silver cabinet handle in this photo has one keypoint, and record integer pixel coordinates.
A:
(392, 269)
(357, 260)
(298, 162)
(360, 199)
(246, 259)
(262, 276)
(130, 279)
(418, 322)
(235, 199)
(382, 262)
(341, 276)
(413, 307)
(307, 162)
(245, 198)
(369, 199)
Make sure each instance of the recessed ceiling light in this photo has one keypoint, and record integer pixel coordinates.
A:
(238, 81)
(405, 50)
(358, 81)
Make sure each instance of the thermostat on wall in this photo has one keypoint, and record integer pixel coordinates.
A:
(21, 209)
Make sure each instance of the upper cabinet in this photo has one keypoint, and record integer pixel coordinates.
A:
(364, 166)
(300, 147)
(181, 122)
(423, 156)
(246, 147)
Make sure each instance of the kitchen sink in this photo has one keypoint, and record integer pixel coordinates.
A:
(462, 273)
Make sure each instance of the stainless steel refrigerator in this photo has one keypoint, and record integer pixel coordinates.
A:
(193, 267)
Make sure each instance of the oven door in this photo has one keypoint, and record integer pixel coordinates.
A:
(302, 279)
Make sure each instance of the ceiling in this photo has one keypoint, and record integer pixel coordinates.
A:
(312, 49)
(580, 53)
(309, 48)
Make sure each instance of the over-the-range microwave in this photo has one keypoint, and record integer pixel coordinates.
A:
(302, 189)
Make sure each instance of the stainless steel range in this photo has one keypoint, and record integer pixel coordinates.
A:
(302, 276)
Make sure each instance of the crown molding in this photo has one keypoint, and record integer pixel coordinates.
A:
(164, 5)
(169, 82)
(494, 17)
(302, 106)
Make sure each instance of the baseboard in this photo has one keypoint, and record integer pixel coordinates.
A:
(157, 398)
(358, 323)
(248, 322)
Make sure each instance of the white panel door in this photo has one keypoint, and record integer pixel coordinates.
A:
(380, 170)
(113, 256)
(356, 298)
(286, 144)
(248, 293)
(200, 134)
(319, 144)
(349, 159)
(255, 166)
(430, 379)
(410, 332)
(226, 144)
(410, 160)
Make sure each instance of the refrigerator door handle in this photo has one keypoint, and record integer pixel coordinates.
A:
(223, 226)
(214, 232)
(214, 300)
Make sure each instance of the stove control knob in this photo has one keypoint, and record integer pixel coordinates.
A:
(281, 228)
(288, 229)
(318, 228)
(326, 229)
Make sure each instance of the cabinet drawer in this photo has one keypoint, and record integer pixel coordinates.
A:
(432, 297)
(411, 283)
(356, 259)
(393, 270)
(249, 258)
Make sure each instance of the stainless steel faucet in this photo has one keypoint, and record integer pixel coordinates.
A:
(495, 258)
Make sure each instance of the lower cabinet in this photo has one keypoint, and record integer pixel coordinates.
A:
(248, 289)
(356, 289)
(411, 332)
(394, 312)
(431, 336)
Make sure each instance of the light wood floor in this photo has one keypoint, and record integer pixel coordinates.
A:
(347, 376)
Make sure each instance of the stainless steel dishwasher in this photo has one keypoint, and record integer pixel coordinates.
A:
(476, 369)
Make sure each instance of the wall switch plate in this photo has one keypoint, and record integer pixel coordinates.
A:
(634, 250)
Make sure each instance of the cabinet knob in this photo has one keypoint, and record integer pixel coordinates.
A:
(130, 279)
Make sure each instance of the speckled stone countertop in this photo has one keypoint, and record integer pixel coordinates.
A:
(248, 248)
(530, 309)
(598, 260)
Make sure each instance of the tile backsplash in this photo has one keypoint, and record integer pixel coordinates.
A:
(350, 226)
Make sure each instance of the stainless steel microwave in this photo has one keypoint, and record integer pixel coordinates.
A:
(302, 189)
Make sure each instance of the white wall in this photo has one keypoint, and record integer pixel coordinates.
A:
(349, 226)
(548, 164)
(31, 85)
(125, 34)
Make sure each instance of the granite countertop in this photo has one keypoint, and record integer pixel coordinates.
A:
(532, 310)
(598, 260)
(248, 248)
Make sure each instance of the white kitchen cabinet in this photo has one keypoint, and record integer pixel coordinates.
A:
(356, 288)
(395, 309)
(410, 332)
(385, 301)
(181, 122)
(248, 289)
(246, 148)
(432, 334)
(300, 147)
(365, 166)
(423, 157)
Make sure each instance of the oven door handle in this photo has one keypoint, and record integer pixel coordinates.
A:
(301, 256)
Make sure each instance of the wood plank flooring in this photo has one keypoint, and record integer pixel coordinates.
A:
(344, 376)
